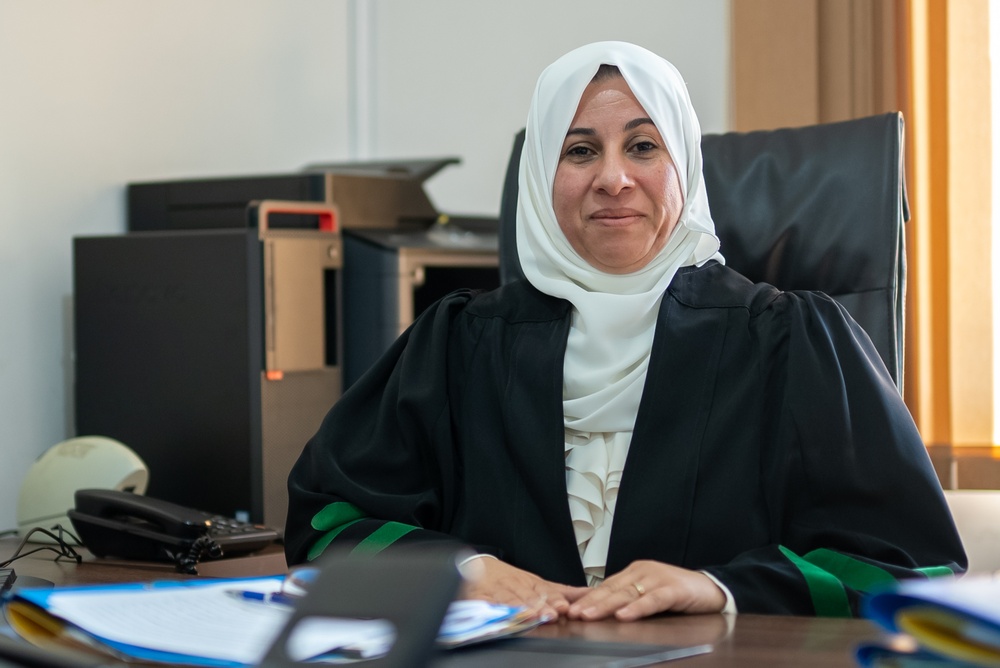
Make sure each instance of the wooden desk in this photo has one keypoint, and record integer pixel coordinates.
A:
(270, 561)
(752, 641)
(744, 640)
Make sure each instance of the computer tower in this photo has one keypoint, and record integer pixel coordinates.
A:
(214, 354)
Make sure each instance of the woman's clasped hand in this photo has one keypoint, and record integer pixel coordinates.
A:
(643, 588)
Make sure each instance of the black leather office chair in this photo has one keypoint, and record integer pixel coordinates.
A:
(820, 207)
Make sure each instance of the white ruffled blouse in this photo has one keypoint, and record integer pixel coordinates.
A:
(594, 464)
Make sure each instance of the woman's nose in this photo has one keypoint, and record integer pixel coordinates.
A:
(613, 175)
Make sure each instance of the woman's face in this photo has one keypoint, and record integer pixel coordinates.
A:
(616, 193)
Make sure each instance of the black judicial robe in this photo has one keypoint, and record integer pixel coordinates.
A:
(771, 448)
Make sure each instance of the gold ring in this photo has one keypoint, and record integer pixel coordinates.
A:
(639, 588)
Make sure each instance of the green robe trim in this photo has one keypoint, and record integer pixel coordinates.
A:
(827, 572)
(383, 537)
(333, 519)
(335, 515)
(324, 541)
(852, 572)
(828, 596)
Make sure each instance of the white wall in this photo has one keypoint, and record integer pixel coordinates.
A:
(454, 77)
(97, 93)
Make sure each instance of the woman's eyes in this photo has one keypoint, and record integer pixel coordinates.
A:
(581, 151)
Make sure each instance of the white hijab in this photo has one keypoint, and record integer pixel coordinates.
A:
(614, 316)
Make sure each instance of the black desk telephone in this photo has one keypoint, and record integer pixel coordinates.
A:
(131, 526)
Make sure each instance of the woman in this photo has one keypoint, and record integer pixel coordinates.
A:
(746, 445)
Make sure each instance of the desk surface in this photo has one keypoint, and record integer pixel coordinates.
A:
(744, 640)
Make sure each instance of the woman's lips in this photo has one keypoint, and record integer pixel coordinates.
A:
(615, 217)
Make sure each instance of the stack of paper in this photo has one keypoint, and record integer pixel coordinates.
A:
(943, 621)
(223, 622)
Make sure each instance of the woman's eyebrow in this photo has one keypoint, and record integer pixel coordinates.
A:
(636, 122)
(631, 125)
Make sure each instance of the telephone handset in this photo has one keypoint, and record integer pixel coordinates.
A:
(131, 526)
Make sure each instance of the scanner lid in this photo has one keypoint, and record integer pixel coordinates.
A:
(417, 169)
